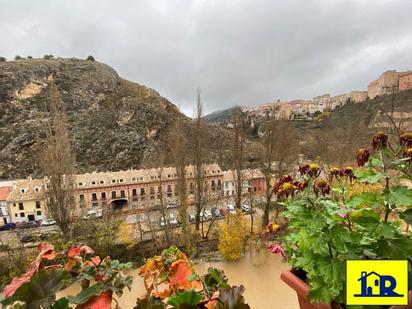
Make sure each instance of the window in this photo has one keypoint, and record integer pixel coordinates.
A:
(37, 204)
(113, 194)
(21, 206)
(23, 190)
(113, 180)
(122, 193)
(168, 176)
(134, 179)
(134, 192)
(152, 177)
(102, 182)
(36, 189)
(169, 188)
(141, 178)
(94, 196)
(15, 215)
(121, 180)
(14, 204)
(80, 184)
(81, 198)
(22, 214)
(142, 191)
(159, 189)
(226, 185)
(103, 195)
(152, 190)
(38, 213)
(93, 183)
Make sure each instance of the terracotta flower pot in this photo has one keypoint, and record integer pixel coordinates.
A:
(302, 290)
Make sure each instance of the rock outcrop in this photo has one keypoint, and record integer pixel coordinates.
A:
(114, 124)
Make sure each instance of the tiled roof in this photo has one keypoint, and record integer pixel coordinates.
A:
(4, 193)
(27, 189)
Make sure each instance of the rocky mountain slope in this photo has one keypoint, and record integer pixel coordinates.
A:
(114, 124)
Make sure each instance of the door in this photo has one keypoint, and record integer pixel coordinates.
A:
(30, 217)
(4, 220)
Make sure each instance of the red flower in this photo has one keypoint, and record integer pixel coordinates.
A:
(303, 169)
(348, 171)
(73, 251)
(277, 249)
(408, 154)
(405, 139)
(286, 189)
(321, 186)
(362, 157)
(379, 141)
(335, 172)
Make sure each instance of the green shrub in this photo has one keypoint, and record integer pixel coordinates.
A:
(2, 59)
(90, 57)
(18, 57)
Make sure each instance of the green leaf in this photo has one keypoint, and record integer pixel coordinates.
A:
(151, 303)
(62, 303)
(368, 175)
(369, 199)
(214, 279)
(86, 294)
(400, 195)
(187, 298)
(41, 287)
(407, 216)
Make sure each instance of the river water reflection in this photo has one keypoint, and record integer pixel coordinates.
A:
(258, 271)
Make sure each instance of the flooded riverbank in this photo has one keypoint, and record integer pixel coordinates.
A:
(258, 271)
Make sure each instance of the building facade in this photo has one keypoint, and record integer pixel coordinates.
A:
(140, 189)
(4, 212)
(25, 201)
(405, 82)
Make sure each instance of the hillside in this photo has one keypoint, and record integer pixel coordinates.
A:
(114, 124)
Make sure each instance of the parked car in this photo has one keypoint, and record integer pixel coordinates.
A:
(172, 205)
(173, 220)
(216, 213)
(246, 208)
(30, 238)
(7, 227)
(192, 218)
(94, 213)
(162, 222)
(205, 215)
(48, 222)
(231, 209)
(27, 225)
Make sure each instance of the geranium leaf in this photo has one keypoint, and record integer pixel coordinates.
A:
(86, 294)
(368, 175)
(43, 284)
(62, 303)
(188, 299)
(401, 196)
(407, 216)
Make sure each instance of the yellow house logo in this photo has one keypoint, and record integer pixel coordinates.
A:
(376, 282)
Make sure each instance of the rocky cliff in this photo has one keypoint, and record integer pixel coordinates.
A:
(114, 124)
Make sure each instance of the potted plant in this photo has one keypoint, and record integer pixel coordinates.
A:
(344, 213)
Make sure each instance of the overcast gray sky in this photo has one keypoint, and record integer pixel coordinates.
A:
(238, 52)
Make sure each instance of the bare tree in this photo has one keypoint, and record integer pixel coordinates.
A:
(199, 128)
(280, 150)
(179, 148)
(238, 152)
(58, 163)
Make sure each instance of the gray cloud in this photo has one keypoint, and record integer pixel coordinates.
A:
(239, 52)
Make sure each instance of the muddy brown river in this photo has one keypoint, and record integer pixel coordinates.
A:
(258, 271)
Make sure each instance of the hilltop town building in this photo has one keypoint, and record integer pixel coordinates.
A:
(387, 83)
(405, 82)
